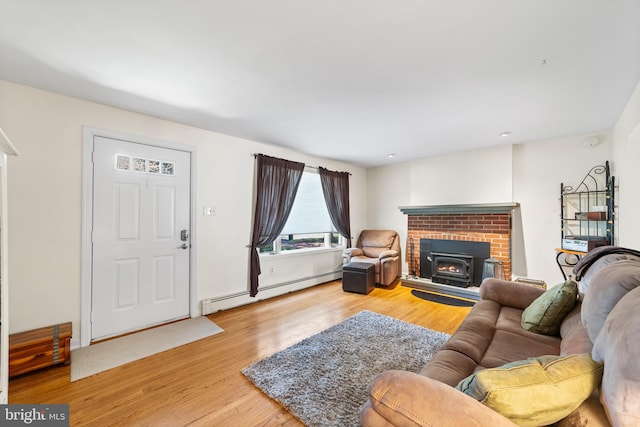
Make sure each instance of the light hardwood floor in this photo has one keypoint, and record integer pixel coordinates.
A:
(200, 384)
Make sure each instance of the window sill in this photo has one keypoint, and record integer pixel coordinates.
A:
(300, 252)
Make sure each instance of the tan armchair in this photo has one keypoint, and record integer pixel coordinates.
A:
(379, 247)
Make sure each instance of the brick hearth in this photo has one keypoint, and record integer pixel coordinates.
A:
(494, 228)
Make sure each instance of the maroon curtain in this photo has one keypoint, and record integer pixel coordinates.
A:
(335, 187)
(276, 186)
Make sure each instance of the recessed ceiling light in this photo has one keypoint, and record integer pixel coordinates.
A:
(504, 134)
(391, 155)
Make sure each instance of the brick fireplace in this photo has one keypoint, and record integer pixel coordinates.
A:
(476, 223)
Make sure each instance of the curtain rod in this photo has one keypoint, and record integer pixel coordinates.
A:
(306, 166)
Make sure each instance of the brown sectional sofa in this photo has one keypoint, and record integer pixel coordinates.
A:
(605, 323)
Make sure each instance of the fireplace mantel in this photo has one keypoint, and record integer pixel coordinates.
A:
(480, 208)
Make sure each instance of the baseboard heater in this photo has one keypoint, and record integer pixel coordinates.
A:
(208, 305)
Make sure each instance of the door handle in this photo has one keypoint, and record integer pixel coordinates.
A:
(183, 246)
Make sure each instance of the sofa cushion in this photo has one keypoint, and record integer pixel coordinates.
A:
(374, 242)
(545, 314)
(373, 251)
(509, 294)
(401, 398)
(378, 238)
(537, 391)
(509, 346)
(589, 414)
(607, 286)
(618, 347)
(475, 334)
(449, 367)
(575, 339)
(585, 281)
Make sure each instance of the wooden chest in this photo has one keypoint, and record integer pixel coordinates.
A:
(39, 348)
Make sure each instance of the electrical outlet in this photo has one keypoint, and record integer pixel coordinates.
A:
(272, 270)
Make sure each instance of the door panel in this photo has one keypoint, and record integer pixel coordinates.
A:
(164, 212)
(163, 278)
(128, 210)
(126, 282)
(140, 270)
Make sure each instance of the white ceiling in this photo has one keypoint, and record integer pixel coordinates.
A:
(349, 80)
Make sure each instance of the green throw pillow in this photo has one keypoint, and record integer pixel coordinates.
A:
(537, 391)
(545, 314)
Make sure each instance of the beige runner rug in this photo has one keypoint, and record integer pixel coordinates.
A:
(96, 358)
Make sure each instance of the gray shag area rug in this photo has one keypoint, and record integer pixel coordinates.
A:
(323, 380)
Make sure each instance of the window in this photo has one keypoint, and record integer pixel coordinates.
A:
(309, 224)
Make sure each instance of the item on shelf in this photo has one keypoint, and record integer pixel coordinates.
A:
(596, 216)
(583, 243)
(581, 215)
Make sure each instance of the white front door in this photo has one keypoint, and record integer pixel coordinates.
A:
(140, 236)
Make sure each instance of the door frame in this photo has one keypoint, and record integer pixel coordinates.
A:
(88, 135)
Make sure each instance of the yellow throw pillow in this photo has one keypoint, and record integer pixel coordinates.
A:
(545, 314)
(537, 391)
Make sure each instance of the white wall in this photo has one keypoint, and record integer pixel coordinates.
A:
(45, 205)
(538, 169)
(474, 176)
(389, 187)
(626, 156)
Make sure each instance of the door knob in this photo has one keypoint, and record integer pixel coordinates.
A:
(183, 246)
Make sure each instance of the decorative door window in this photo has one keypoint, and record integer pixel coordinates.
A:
(137, 164)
